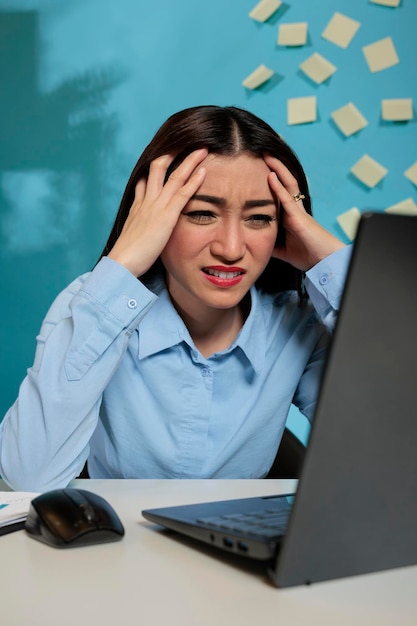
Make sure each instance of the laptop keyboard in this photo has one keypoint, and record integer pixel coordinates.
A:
(267, 523)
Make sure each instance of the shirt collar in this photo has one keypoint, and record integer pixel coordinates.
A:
(162, 328)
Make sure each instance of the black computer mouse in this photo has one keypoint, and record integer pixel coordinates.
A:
(67, 518)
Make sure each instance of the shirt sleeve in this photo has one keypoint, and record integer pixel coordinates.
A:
(324, 283)
(44, 435)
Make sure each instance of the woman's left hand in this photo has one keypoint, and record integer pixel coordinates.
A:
(306, 242)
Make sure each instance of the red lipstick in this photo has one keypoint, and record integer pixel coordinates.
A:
(222, 276)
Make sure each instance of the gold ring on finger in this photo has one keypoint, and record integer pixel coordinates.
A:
(298, 196)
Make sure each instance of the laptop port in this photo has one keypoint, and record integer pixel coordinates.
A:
(242, 546)
(228, 543)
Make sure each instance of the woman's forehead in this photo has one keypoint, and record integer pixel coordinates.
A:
(242, 171)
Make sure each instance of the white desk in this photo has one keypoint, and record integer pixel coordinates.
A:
(153, 579)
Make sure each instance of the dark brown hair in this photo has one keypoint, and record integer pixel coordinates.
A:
(227, 131)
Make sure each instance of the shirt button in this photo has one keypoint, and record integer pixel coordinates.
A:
(205, 372)
(132, 303)
(324, 279)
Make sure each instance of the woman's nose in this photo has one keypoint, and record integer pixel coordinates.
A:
(229, 242)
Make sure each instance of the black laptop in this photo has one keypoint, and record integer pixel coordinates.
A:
(355, 509)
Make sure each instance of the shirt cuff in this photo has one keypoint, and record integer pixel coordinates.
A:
(118, 291)
(109, 306)
(325, 281)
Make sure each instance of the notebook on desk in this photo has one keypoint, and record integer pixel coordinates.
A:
(355, 509)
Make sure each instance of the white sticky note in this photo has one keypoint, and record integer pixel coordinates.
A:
(397, 109)
(387, 3)
(340, 30)
(405, 207)
(301, 110)
(411, 173)
(258, 77)
(264, 9)
(349, 119)
(381, 55)
(349, 222)
(369, 171)
(318, 68)
(292, 34)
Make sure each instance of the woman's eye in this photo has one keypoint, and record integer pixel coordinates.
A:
(260, 221)
(200, 217)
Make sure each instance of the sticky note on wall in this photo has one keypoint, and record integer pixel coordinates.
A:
(381, 55)
(369, 171)
(387, 3)
(340, 30)
(349, 221)
(411, 173)
(292, 34)
(264, 9)
(301, 110)
(318, 68)
(397, 109)
(349, 119)
(258, 77)
(405, 207)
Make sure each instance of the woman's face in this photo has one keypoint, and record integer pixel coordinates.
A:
(224, 237)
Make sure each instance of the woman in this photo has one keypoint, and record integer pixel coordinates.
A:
(180, 354)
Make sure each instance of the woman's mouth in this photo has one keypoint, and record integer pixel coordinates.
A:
(224, 276)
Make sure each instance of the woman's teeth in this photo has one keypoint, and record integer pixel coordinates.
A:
(221, 274)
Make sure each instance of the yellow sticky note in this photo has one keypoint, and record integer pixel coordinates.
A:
(301, 110)
(318, 68)
(387, 3)
(411, 173)
(397, 109)
(340, 30)
(264, 9)
(405, 207)
(381, 55)
(349, 222)
(349, 119)
(369, 171)
(292, 34)
(258, 77)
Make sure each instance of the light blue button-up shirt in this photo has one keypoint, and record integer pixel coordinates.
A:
(117, 379)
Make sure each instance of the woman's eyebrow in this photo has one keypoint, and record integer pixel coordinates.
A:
(255, 203)
(209, 199)
(249, 204)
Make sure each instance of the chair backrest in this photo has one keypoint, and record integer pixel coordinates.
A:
(289, 458)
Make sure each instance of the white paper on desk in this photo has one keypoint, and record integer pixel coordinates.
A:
(14, 506)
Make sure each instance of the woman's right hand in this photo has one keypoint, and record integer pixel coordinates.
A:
(156, 209)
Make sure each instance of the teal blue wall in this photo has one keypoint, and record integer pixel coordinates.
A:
(85, 84)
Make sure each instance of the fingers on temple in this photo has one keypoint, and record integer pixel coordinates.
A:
(185, 176)
(287, 180)
(185, 170)
(186, 179)
(157, 172)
